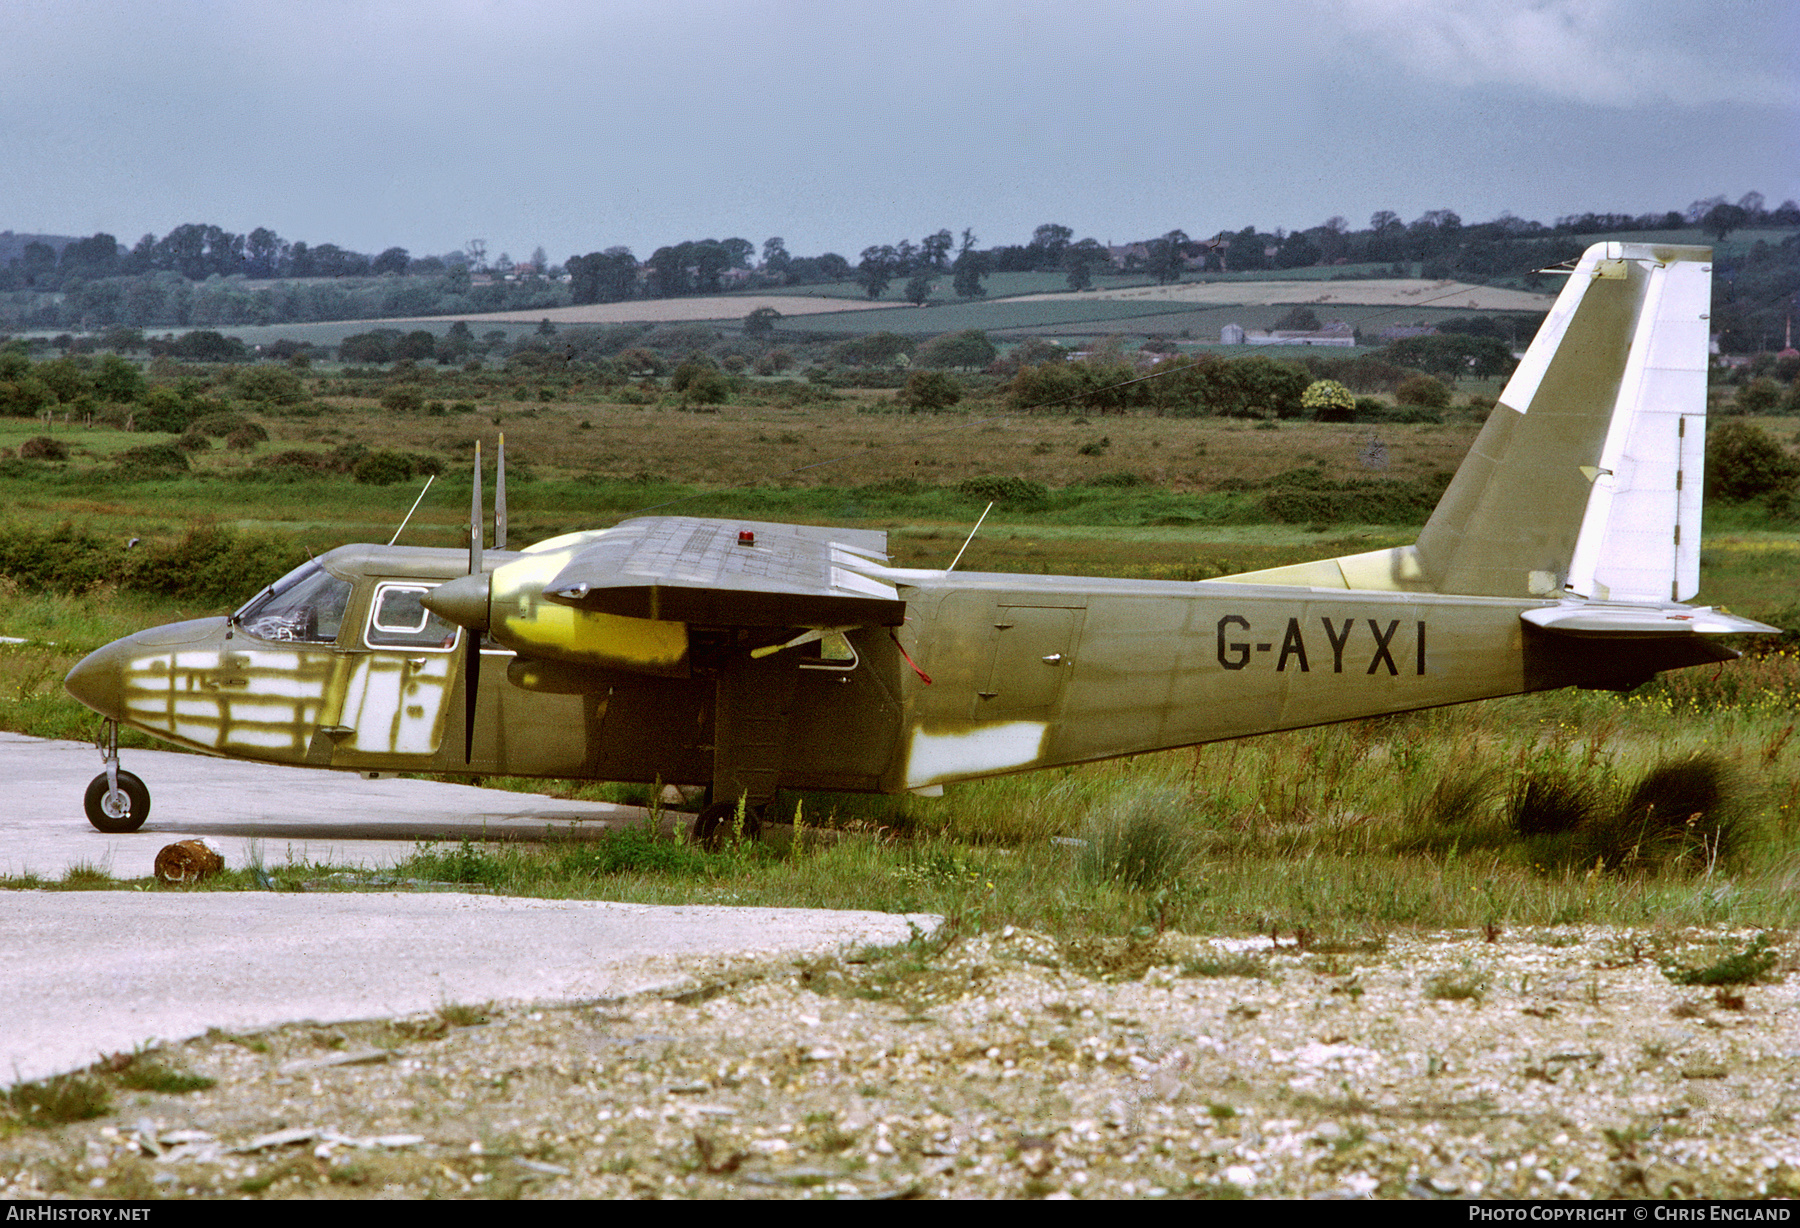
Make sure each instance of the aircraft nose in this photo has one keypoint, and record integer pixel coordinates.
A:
(98, 679)
(463, 601)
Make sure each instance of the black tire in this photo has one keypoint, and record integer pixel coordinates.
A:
(137, 804)
(713, 826)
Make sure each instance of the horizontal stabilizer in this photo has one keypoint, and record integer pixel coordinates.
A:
(730, 573)
(1607, 621)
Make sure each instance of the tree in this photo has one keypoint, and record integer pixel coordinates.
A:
(1721, 220)
(970, 267)
(1166, 255)
(1047, 244)
(775, 259)
(926, 391)
(393, 260)
(1297, 252)
(1080, 260)
(918, 289)
(934, 250)
(738, 252)
(970, 350)
(876, 270)
(761, 322)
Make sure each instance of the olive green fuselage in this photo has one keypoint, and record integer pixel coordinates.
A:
(1024, 672)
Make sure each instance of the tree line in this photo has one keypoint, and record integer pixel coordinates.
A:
(201, 275)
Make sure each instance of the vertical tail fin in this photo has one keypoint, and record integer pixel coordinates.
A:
(1586, 480)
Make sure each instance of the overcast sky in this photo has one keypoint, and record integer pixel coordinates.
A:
(838, 123)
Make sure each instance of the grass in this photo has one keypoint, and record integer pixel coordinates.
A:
(84, 1095)
(1493, 814)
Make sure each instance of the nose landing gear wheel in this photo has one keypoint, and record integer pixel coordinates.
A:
(713, 827)
(121, 811)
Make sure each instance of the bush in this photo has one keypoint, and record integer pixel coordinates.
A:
(43, 447)
(298, 460)
(698, 382)
(1007, 491)
(153, 461)
(1329, 401)
(273, 385)
(1744, 462)
(928, 391)
(969, 349)
(1553, 803)
(1759, 396)
(382, 468)
(1425, 391)
(166, 411)
(403, 398)
(1306, 496)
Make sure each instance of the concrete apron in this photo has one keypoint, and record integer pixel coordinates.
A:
(96, 972)
(254, 810)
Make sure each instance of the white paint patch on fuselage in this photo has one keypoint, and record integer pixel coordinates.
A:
(979, 751)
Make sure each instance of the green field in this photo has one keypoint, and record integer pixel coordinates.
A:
(1412, 822)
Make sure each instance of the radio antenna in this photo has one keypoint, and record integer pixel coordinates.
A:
(972, 533)
(411, 510)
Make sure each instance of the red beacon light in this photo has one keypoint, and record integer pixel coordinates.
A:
(746, 537)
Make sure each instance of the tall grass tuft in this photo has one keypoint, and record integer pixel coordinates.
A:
(1554, 802)
(1138, 838)
(1686, 810)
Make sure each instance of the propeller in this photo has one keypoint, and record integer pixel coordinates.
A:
(464, 600)
(472, 640)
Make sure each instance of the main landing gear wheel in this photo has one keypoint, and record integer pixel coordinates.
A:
(713, 827)
(121, 811)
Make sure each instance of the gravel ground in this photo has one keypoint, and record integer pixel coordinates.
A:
(1540, 1064)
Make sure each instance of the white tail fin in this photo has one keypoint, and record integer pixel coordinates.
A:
(1586, 480)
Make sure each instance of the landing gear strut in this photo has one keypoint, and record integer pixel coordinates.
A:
(116, 800)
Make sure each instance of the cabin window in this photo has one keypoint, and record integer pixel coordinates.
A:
(305, 606)
(397, 620)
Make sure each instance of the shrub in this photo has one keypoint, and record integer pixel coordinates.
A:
(1118, 479)
(1743, 461)
(383, 468)
(1329, 401)
(1007, 491)
(969, 349)
(153, 461)
(246, 437)
(1425, 391)
(698, 382)
(1759, 396)
(165, 410)
(930, 390)
(194, 441)
(43, 447)
(274, 385)
(403, 398)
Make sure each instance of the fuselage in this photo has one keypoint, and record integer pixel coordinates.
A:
(1024, 672)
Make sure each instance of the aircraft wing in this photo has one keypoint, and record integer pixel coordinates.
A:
(736, 573)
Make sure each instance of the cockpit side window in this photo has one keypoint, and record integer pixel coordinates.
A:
(397, 620)
(305, 606)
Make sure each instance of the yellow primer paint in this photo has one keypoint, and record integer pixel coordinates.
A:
(531, 626)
